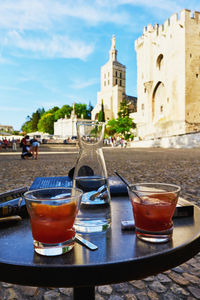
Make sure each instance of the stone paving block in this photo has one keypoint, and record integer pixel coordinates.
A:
(158, 287)
(195, 291)
(130, 297)
(178, 278)
(139, 284)
(105, 289)
(178, 290)
(192, 278)
(152, 295)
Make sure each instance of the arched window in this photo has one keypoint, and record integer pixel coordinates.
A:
(159, 61)
(159, 102)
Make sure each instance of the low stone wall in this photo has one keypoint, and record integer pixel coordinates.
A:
(190, 140)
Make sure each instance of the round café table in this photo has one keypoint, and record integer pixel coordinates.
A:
(120, 256)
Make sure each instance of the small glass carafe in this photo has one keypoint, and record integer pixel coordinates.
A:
(90, 176)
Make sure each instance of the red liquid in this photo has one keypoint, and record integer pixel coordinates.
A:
(53, 224)
(154, 215)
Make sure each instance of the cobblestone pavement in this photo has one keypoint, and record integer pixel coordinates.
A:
(179, 166)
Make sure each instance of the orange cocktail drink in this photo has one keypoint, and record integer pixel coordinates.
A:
(52, 215)
(153, 208)
(53, 224)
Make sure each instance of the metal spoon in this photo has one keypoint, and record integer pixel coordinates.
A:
(128, 185)
(85, 243)
(99, 194)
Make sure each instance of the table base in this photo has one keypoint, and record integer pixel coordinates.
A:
(81, 293)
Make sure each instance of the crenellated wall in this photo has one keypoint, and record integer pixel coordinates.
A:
(168, 76)
(175, 20)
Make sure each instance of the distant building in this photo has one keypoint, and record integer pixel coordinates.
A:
(6, 128)
(113, 84)
(66, 128)
(168, 77)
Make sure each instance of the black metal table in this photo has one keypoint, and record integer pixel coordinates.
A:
(120, 257)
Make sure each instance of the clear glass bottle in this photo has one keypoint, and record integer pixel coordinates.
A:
(90, 176)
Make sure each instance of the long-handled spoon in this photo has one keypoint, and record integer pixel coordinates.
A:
(128, 185)
(85, 243)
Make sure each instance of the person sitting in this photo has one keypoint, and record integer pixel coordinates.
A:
(35, 147)
(26, 152)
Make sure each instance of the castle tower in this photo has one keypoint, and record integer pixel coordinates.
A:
(113, 81)
(168, 77)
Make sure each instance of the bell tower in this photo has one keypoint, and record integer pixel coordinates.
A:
(113, 84)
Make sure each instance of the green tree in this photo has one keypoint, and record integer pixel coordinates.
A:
(27, 125)
(82, 110)
(35, 119)
(111, 127)
(65, 110)
(123, 124)
(46, 123)
(53, 110)
(15, 132)
(31, 122)
(101, 115)
(124, 110)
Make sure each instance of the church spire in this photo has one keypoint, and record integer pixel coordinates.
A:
(113, 51)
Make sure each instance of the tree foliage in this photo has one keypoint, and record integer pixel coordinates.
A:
(36, 117)
(83, 111)
(43, 121)
(111, 127)
(65, 110)
(46, 123)
(32, 122)
(124, 109)
(123, 124)
(101, 115)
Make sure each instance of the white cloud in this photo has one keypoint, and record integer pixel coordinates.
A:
(9, 88)
(79, 84)
(167, 5)
(48, 14)
(43, 15)
(46, 28)
(12, 108)
(24, 15)
(7, 61)
(49, 47)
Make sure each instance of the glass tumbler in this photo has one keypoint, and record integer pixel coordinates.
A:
(153, 208)
(91, 177)
(52, 214)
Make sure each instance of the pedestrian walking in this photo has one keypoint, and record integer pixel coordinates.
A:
(14, 145)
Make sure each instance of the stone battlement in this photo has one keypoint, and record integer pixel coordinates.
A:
(186, 17)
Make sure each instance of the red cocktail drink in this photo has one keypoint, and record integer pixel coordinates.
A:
(153, 211)
(52, 215)
(53, 224)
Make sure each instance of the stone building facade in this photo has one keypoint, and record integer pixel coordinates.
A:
(168, 77)
(66, 127)
(113, 84)
(6, 128)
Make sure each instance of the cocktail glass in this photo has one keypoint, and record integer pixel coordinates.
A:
(52, 214)
(153, 208)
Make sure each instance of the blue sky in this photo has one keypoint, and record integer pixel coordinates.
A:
(51, 51)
